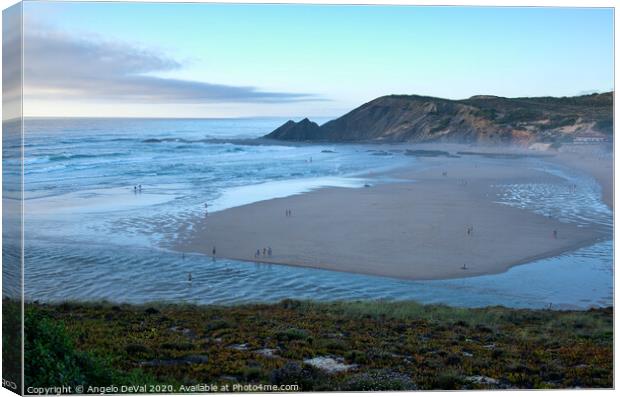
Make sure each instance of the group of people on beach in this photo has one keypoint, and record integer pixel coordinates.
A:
(288, 212)
(469, 230)
(137, 189)
(266, 252)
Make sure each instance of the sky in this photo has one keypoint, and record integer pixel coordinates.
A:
(227, 60)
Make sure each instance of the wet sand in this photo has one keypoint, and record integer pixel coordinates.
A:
(596, 163)
(414, 227)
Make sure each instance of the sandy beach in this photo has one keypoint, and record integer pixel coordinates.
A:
(414, 227)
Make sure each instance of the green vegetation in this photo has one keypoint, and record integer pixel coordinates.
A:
(560, 121)
(51, 358)
(12, 343)
(373, 345)
(521, 115)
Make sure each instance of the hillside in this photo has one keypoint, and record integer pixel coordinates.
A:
(339, 346)
(481, 119)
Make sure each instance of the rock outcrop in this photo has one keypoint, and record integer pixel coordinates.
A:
(304, 130)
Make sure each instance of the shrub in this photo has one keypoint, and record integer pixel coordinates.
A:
(51, 358)
(356, 356)
(447, 381)
(218, 324)
(136, 349)
(306, 377)
(292, 334)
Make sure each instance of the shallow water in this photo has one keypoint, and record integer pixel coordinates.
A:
(575, 280)
(91, 236)
(577, 199)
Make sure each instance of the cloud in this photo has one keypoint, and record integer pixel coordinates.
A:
(11, 63)
(59, 66)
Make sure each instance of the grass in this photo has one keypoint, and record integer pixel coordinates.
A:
(389, 345)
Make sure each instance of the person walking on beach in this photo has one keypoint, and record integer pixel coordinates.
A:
(257, 253)
(555, 234)
(264, 251)
(269, 251)
(213, 252)
(189, 278)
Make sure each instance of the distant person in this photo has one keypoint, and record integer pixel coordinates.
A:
(213, 252)
(264, 251)
(189, 278)
(257, 253)
(269, 251)
(464, 267)
(555, 234)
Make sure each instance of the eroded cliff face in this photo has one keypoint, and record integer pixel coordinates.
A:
(481, 119)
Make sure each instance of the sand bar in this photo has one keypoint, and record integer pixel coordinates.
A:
(415, 228)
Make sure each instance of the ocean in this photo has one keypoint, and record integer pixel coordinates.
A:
(91, 235)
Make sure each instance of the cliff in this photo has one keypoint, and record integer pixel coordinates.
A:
(482, 119)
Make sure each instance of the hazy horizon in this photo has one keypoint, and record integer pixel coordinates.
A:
(240, 61)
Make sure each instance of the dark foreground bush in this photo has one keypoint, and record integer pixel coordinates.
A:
(51, 358)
